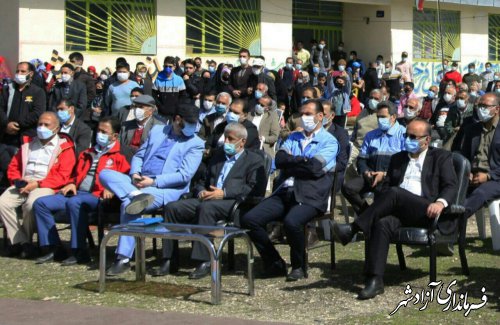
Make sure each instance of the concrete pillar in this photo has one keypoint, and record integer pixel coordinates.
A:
(276, 31)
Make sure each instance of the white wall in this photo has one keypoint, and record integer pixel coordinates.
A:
(276, 31)
(401, 28)
(371, 39)
(9, 25)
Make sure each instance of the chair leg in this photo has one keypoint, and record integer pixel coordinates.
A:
(494, 208)
(461, 246)
(481, 223)
(345, 211)
(333, 264)
(90, 238)
(230, 254)
(432, 262)
(5, 240)
(401, 257)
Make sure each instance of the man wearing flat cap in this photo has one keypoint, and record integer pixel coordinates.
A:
(135, 132)
(160, 172)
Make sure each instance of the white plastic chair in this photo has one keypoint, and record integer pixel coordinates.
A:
(494, 209)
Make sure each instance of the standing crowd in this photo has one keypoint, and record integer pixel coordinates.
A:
(214, 134)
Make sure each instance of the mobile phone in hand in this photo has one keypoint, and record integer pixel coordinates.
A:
(20, 183)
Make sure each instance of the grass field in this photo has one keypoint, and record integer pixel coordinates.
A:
(326, 297)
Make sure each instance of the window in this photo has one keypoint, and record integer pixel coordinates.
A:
(222, 27)
(426, 38)
(119, 26)
(494, 38)
(317, 20)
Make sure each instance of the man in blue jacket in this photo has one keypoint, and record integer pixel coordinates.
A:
(307, 162)
(160, 172)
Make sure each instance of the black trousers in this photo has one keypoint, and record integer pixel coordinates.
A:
(480, 195)
(194, 211)
(393, 209)
(354, 189)
(279, 207)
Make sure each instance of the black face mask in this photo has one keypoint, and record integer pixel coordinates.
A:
(98, 91)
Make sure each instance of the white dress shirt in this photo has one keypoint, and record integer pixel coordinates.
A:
(256, 120)
(39, 158)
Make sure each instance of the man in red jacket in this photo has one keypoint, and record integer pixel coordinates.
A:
(80, 197)
(41, 166)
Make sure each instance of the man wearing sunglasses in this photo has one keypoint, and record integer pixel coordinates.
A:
(420, 183)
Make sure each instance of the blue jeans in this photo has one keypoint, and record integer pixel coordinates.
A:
(77, 207)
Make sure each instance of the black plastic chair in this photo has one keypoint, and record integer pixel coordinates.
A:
(432, 236)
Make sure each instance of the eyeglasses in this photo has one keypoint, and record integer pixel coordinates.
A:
(413, 136)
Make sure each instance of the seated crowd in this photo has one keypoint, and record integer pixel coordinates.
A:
(69, 142)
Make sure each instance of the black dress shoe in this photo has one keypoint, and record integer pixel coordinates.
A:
(13, 250)
(139, 203)
(343, 233)
(374, 286)
(168, 266)
(201, 271)
(277, 269)
(47, 258)
(295, 275)
(80, 257)
(118, 267)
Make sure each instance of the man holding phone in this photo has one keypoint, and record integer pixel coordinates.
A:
(378, 147)
(42, 166)
(80, 197)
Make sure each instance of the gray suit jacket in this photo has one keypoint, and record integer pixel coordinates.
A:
(269, 128)
(127, 133)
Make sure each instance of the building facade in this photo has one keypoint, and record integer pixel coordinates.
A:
(216, 29)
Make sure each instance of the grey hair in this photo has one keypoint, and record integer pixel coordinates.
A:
(238, 129)
(224, 94)
(376, 91)
(418, 101)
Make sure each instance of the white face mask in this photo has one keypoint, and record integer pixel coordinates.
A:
(448, 98)
(483, 114)
(410, 114)
(139, 114)
(207, 105)
(256, 71)
(142, 75)
(65, 77)
(308, 122)
(104, 77)
(341, 68)
(243, 61)
(461, 103)
(122, 76)
(20, 79)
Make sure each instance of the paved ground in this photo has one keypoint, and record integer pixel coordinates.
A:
(15, 311)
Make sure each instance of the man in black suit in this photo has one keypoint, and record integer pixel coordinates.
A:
(239, 78)
(71, 89)
(480, 144)
(73, 126)
(232, 172)
(420, 183)
(238, 112)
(210, 122)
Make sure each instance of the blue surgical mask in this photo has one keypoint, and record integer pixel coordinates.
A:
(289, 65)
(304, 99)
(168, 70)
(44, 133)
(64, 116)
(412, 146)
(472, 70)
(259, 109)
(211, 69)
(258, 94)
(298, 66)
(321, 46)
(372, 104)
(431, 94)
(102, 139)
(230, 148)
(384, 123)
(220, 108)
(189, 129)
(232, 118)
(325, 121)
(315, 70)
(488, 69)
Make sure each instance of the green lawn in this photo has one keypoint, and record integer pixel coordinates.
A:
(326, 297)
